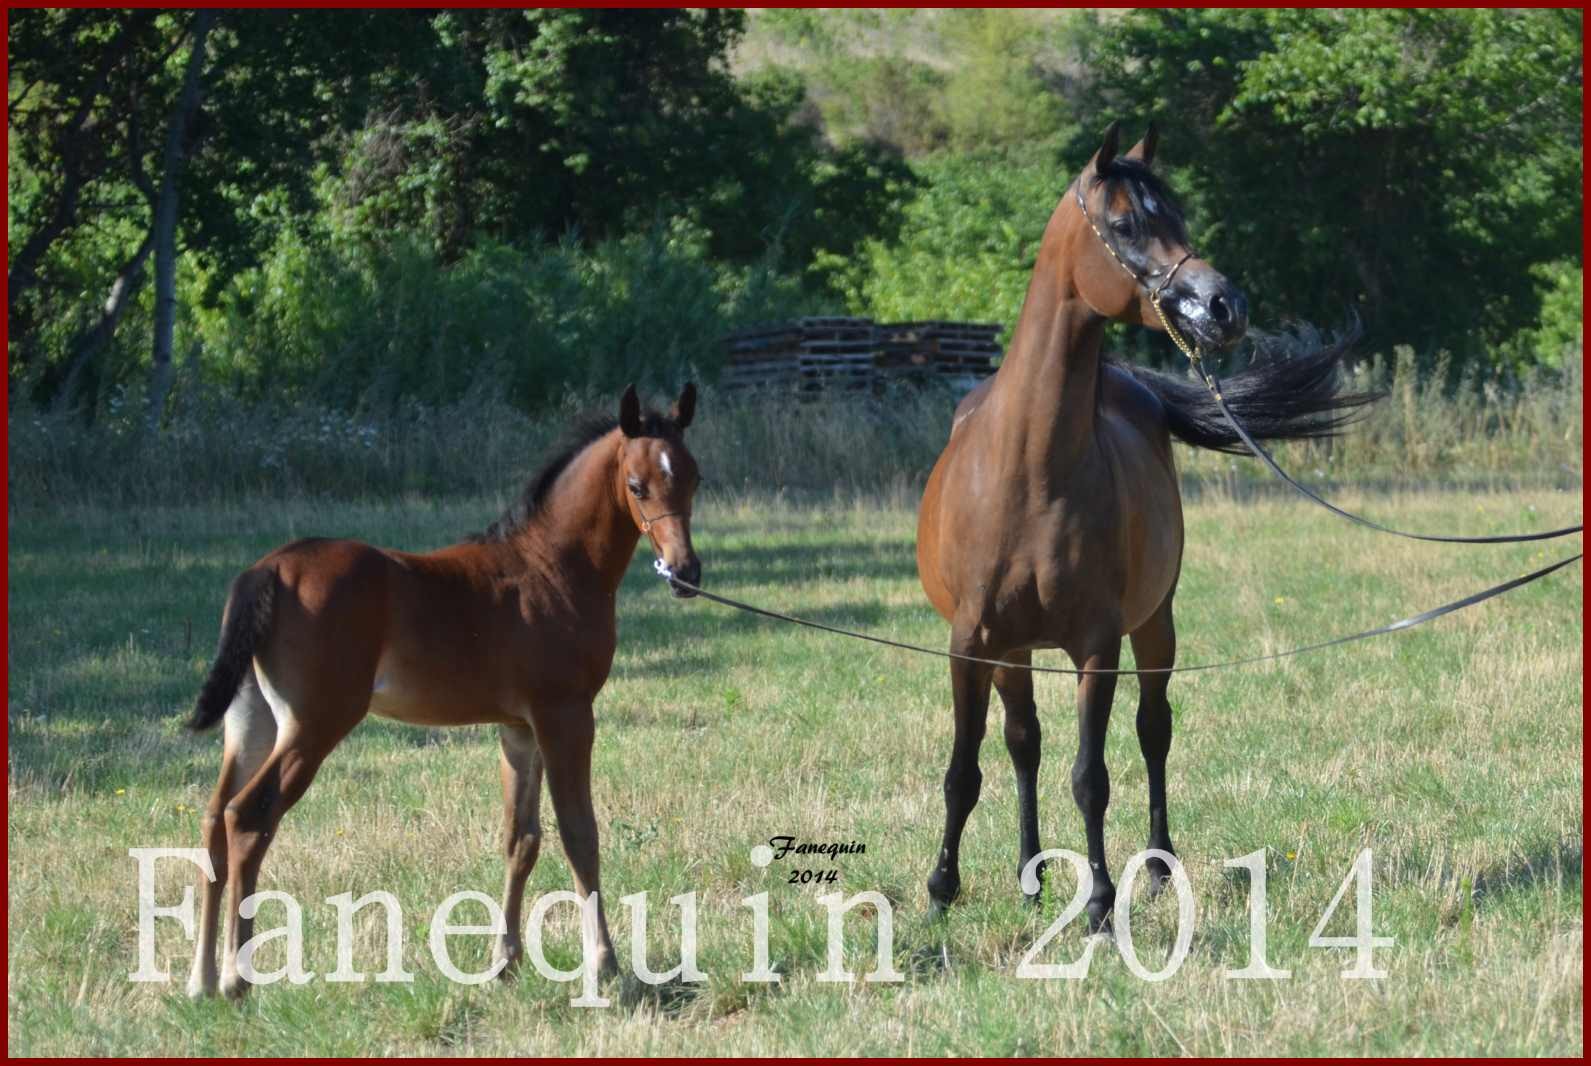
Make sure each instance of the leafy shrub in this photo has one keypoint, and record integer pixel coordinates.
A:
(343, 328)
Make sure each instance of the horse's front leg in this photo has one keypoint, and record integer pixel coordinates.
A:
(1154, 645)
(1090, 779)
(1022, 741)
(566, 738)
(969, 683)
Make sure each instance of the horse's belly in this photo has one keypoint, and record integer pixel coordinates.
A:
(412, 700)
(1155, 547)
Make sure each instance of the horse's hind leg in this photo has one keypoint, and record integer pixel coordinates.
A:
(1022, 741)
(1090, 778)
(1154, 645)
(969, 683)
(306, 732)
(521, 771)
(250, 734)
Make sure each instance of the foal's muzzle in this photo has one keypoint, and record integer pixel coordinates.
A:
(691, 574)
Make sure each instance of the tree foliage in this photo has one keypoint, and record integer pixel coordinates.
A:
(1412, 165)
(459, 130)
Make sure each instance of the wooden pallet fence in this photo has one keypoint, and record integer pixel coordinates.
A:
(814, 355)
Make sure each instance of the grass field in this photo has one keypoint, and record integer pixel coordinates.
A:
(1454, 752)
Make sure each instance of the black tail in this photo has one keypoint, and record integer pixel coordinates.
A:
(247, 621)
(1282, 396)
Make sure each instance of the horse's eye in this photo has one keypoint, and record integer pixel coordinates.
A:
(637, 489)
(1122, 226)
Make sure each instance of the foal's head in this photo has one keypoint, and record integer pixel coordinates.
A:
(657, 477)
(1131, 244)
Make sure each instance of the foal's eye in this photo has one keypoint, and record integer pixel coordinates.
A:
(1122, 226)
(637, 489)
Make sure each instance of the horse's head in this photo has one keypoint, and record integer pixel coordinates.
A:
(658, 478)
(1130, 245)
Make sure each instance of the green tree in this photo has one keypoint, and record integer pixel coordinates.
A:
(134, 132)
(528, 125)
(967, 244)
(1413, 165)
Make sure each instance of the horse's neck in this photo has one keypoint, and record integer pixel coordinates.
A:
(585, 526)
(1048, 384)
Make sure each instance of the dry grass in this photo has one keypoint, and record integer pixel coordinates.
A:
(1453, 751)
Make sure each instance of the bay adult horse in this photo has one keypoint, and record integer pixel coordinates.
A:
(513, 627)
(1052, 519)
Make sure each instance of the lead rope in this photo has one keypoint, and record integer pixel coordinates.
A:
(1392, 627)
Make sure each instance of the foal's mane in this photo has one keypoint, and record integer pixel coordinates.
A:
(1137, 181)
(581, 435)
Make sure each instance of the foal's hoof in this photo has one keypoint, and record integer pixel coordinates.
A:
(201, 988)
(235, 989)
(510, 960)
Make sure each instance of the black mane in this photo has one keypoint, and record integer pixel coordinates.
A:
(581, 435)
(1136, 181)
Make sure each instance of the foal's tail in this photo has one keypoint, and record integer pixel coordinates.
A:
(248, 620)
(1291, 397)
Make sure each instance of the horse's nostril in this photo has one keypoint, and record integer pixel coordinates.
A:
(1219, 310)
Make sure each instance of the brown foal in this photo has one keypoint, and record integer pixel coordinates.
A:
(514, 627)
(1053, 519)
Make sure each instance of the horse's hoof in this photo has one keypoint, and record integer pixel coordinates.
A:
(1033, 900)
(1159, 877)
(1101, 936)
(201, 988)
(1099, 919)
(509, 957)
(235, 989)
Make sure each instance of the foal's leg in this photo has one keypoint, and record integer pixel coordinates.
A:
(1154, 645)
(1022, 741)
(969, 684)
(521, 770)
(306, 732)
(1090, 779)
(250, 734)
(566, 741)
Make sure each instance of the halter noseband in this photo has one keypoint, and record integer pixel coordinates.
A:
(648, 522)
(1157, 292)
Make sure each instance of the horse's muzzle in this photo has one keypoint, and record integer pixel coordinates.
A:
(690, 574)
(1212, 310)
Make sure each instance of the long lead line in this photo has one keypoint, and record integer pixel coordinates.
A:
(1393, 627)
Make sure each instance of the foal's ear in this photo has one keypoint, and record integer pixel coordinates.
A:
(1107, 150)
(1144, 150)
(685, 406)
(630, 413)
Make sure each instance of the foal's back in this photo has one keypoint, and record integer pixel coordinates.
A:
(460, 636)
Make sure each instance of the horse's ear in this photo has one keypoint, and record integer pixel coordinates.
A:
(630, 413)
(685, 406)
(1107, 150)
(1144, 150)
